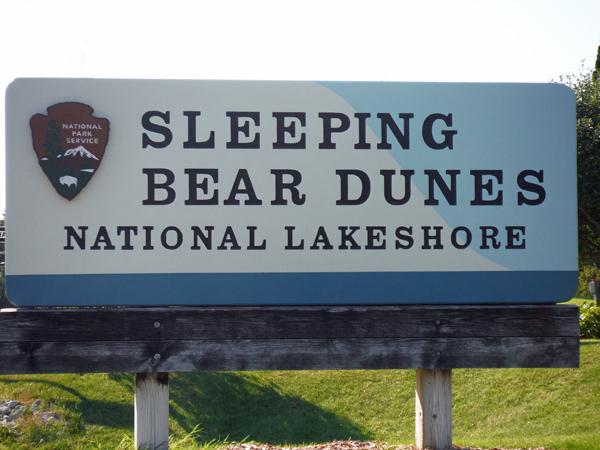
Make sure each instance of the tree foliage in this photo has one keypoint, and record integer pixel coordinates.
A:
(587, 91)
(52, 148)
(589, 321)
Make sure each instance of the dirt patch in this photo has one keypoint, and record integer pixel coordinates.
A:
(357, 445)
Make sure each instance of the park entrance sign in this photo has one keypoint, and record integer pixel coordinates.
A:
(327, 205)
(142, 192)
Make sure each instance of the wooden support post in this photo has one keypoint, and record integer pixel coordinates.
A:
(151, 427)
(433, 415)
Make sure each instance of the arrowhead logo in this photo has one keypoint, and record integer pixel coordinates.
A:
(69, 143)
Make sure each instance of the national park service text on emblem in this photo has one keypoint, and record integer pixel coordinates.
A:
(69, 143)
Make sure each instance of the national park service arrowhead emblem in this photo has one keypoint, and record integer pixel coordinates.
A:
(69, 143)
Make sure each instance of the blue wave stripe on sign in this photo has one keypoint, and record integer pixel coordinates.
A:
(541, 120)
(292, 288)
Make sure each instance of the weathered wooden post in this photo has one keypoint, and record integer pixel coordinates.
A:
(433, 409)
(151, 423)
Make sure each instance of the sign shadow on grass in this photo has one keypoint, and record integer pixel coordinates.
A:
(236, 407)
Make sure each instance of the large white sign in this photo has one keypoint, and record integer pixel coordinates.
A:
(132, 192)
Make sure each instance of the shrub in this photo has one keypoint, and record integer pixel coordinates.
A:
(589, 321)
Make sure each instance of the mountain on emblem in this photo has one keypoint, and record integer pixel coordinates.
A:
(69, 143)
(79, 151)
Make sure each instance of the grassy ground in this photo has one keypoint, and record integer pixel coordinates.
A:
(579, 301)
(556, 408)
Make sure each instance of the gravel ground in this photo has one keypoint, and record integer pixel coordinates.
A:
(356, 445)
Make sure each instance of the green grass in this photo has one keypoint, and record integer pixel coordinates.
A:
(579, 301)
(516, 408)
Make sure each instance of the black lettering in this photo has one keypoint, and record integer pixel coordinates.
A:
(387, 186)
(448, 192)
(127, 236)
(290, 240)
(102, 238)
(329, 129)
(407, 238)
(489, 233)
(290, 129)
(193, 186)
(236, 129)
(375, 234)
(362, 143)
(80, 240)
(365, 187)
(488, 186)
(155, 128)
(513, 235)
(148, 245)
(292, 186)
(229, 238)
(178, 238)
(252, 240)
(428, 237)
(347, 237)
(403, 138)
(321, 238)
(448, 134)
(531, 187)
(467, 240)
(205, 238)
(248, 190)
(192, 142)
(153, 186)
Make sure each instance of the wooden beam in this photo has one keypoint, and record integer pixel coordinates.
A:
(292, 338)
(433, 412)
(151, 404)
(227, 323)
(305, 354)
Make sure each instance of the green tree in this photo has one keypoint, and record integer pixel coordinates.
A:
(587, 91)
(52, 148)
(596, 73)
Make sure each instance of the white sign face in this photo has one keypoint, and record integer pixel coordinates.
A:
(139, 192)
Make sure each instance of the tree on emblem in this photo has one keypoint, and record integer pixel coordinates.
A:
(52, 148)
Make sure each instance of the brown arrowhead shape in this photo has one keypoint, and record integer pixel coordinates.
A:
(69, 143)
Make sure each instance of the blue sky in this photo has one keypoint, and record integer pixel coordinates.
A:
(470, 41)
